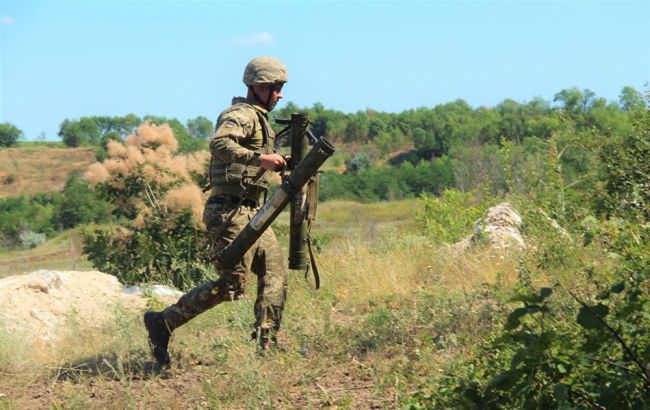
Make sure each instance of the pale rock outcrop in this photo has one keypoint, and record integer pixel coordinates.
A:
(499, 229)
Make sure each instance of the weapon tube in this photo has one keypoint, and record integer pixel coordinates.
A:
(234, 252)
(297, 227)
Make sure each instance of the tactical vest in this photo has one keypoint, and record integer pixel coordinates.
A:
(228, 178)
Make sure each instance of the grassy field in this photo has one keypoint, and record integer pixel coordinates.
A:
(61, 253)
(392, 311)
(33, 168)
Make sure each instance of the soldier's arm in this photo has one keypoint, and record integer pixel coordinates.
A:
(225, 144)
(232, 129)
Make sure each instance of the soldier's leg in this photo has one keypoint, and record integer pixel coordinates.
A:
(270, 267)
(229, 286)
(222, 230)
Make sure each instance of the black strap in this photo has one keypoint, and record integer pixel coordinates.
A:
(312, 259)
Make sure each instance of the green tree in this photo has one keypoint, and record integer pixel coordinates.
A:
(627, 167)
(357, 163)
(75, 133)
(200, 127)
(630, 98)
(9, 134)
(79, 204)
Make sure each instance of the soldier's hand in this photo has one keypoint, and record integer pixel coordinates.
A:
(272, 162)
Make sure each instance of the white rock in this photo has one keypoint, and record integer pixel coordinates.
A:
(158, 290)
(499, 229)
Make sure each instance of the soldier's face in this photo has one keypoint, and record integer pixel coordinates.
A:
(275, 91)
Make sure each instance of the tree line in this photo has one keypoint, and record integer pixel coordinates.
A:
(385, 156)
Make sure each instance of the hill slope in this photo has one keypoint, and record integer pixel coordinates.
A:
(29, 170)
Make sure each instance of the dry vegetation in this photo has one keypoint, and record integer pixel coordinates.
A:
(28, 171)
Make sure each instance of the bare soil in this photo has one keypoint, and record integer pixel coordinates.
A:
(30, 171)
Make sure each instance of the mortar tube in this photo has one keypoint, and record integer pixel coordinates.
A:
(234, 252)
(297, 213)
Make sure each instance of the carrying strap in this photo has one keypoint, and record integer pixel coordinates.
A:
(310, 206)
(312, 259)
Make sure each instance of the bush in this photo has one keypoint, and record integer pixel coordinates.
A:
(386, 183)
(580, 340)
(159, 238)
(9, 134)
(357, 163)
(30, 239)
(28, 221)
(79, 205)
(627, 168)
(164, 250)
(450, 217)
(21, 214)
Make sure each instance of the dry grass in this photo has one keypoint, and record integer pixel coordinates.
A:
(366, 339)
(28, 171)
(396, 264)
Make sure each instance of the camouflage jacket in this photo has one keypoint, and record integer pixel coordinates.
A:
(242, 133)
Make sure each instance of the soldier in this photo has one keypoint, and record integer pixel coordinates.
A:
(242, 150)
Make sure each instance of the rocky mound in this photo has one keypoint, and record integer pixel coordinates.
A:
(499, 229)
(39, 305)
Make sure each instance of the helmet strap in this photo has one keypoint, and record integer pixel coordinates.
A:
(259, 99)
(268, 99)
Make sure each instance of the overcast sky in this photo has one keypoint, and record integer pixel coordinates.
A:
(68, 59)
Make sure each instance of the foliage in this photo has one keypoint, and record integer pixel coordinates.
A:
(200, 127)
(9, 134)
(154, 195)
(450, 217)
(580, 342)
(388, 183)
(79, 204)
(99, 130)
(627, 167)
(170, 252)
(29, 220)
(30, 239)
(190, 139)
(22, 214)
(357, 163)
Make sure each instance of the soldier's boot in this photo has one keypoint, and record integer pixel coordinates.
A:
(159, 335)
(265, 340)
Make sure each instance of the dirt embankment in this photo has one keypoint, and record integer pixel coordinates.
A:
(38, 305)
(27, 171)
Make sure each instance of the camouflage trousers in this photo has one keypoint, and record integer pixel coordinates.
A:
(264, 259)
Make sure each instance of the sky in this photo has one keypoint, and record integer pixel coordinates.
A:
(70, 59)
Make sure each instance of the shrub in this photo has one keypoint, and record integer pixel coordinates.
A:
(385, 183)
(450, 217)
(580, 342)
(153, 192)
(164, 250)
(30, 239)
(9, 134)
(79, 204)
(19, 214)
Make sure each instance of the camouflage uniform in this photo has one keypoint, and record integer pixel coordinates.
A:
(242, 133)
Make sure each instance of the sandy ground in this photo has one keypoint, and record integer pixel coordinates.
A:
(38, 305)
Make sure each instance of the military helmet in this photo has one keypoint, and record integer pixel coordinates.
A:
(265, 70)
